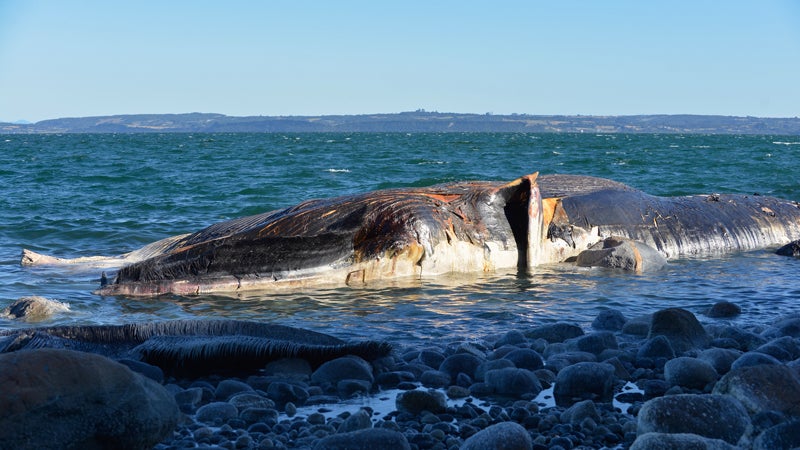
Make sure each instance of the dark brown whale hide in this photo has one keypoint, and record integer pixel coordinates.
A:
(455, 227)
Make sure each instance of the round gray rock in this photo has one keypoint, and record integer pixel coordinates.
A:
(417, 401)
(82, 400)
(369, 439)
(763, 388)
(584, 381)
(689, 372)
(711, 416)
(501, 436)
(679, 441)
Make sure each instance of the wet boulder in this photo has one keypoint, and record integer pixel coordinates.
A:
(609, 320)
(782, 436)
(584, 381)
(465, 363)
(369, 439)
(513, 382)
(419, 400)
(501, 436)
(622, 253)
(85, 400)
(763, 388)
(329, 374)
(724, 310)
(689, 372)
(720, 358)
(34, 309)
(678, 441)
(556, 332)
(790, 249)
(711, 416)
(680, 327)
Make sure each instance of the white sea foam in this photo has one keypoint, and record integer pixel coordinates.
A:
(338, 170)
(785, 143)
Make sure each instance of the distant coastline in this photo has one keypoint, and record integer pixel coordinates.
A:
(411, 122)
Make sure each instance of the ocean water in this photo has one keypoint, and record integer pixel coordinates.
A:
(90, 194)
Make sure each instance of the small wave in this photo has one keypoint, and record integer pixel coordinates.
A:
(701, 146)
(785, 143)
(338, 170)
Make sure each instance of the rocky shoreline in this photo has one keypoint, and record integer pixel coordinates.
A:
(711, 387)
(653, 382)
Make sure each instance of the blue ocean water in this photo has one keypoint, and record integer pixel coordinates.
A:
(87, 194)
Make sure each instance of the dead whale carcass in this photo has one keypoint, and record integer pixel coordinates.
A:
(457, 227)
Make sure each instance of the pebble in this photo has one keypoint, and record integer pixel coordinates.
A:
(549, 386)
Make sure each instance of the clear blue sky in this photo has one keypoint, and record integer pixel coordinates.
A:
(63, 58)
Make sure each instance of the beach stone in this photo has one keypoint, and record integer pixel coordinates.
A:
(559, 361)
(723, 310)
(783, 349)
(350, 388)
(359, 420)
(368, 439)
(557, 332)
(513, 381)
(494, 364)
(258, 415)
(227, 388)
(582, 381)
(747, 340)
(638, 326)
(681, 327)
(244, 400)
(763, 388)
(190, 397)
(431, 358)
(465, 363)
(779, 437)
(609, 320)
(33, 309)
(292, 368)
(417, 401)
(389, 380)
(513, 337)
(656, 347)
(501, 436)
(621, 253)
(712, 416)
(347, 367)
(282, 393)
(150, 371)
(751, 359)
(525, 358)
(56, 398)
(216, 413)
(679, 441)
(594, 343)
(789, 326)
(435, 379)
(579, 412)
(689, 372)
(720, 358)
(790, 249)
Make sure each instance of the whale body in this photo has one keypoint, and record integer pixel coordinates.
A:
(473, 226)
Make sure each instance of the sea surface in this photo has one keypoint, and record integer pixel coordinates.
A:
(103, 194)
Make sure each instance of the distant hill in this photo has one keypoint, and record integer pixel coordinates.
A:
(411, 122)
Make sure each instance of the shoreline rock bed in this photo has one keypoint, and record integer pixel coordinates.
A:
(715, 386)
